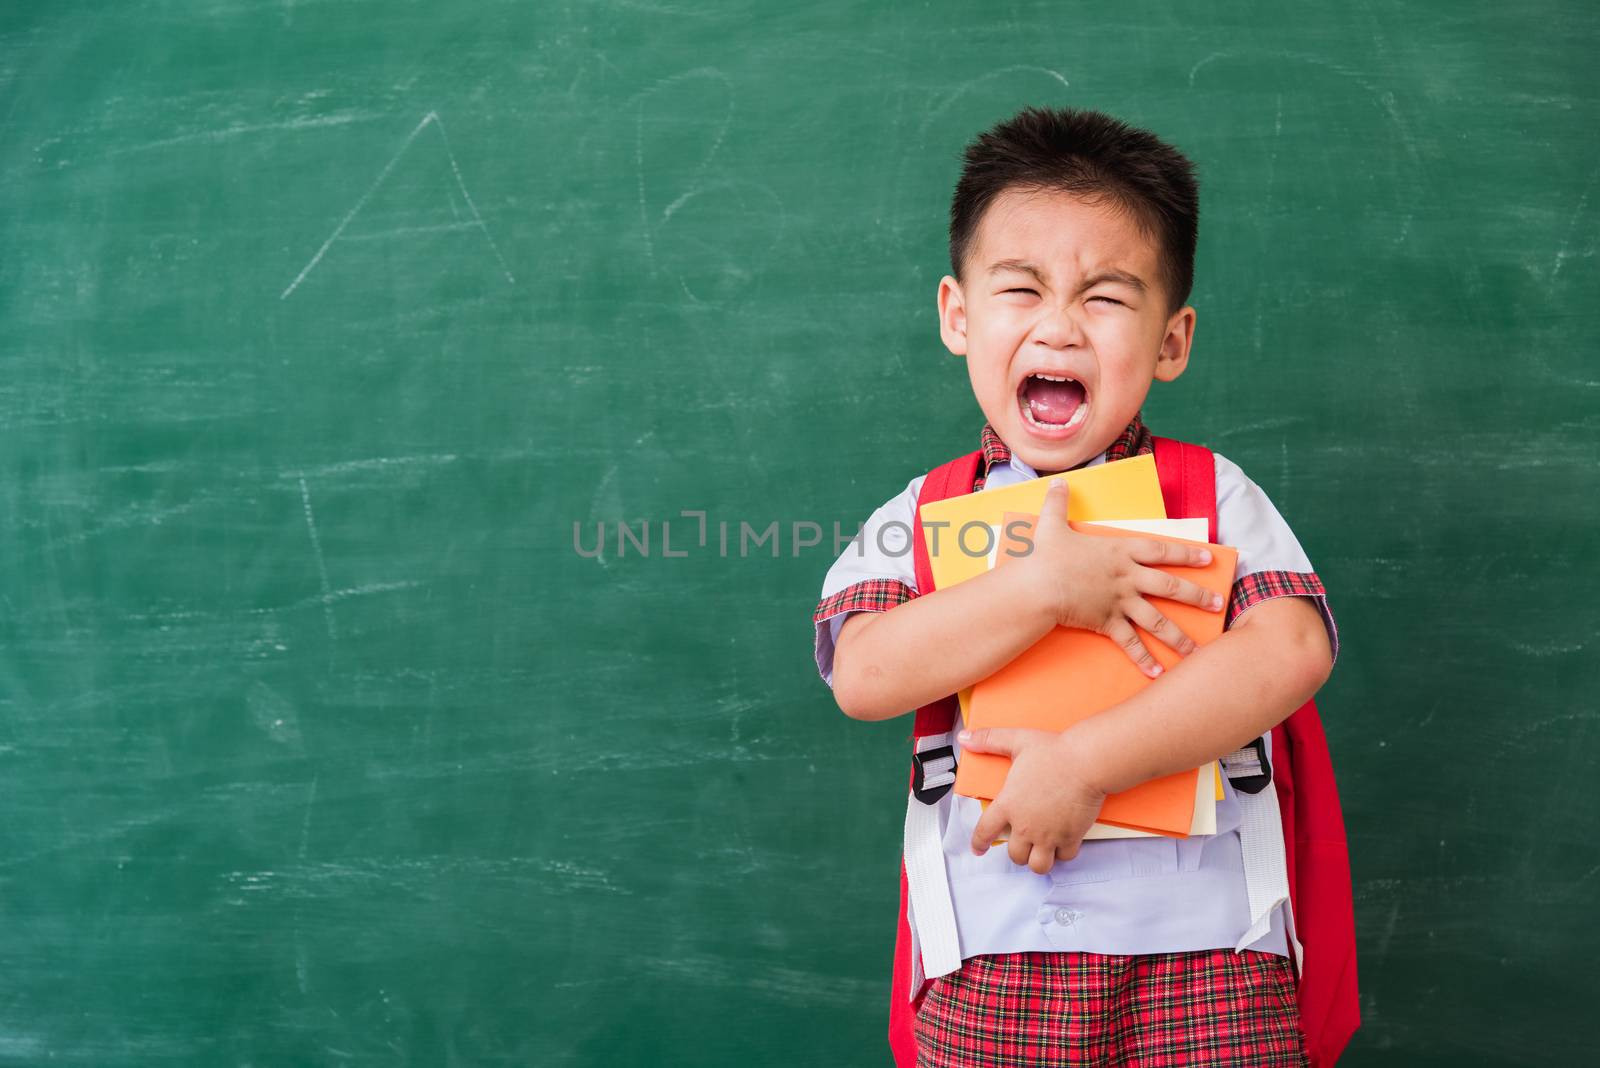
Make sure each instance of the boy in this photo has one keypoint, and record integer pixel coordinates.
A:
(1072, 240)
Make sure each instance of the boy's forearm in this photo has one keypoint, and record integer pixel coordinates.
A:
(888, 663)
(1212, 702)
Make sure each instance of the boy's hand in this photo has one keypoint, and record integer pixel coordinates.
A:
(1100, 584)
(1047, 802)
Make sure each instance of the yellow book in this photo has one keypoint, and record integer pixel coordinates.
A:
(1122, 489)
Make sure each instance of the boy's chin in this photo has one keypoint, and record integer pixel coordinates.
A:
(1047, 452)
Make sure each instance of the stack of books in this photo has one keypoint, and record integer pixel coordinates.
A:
(1071, 674)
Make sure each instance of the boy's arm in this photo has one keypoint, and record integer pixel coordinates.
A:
(887, 663)
(1275, 657)
(874, 581)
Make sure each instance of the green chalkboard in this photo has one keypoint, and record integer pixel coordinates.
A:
(323, 322)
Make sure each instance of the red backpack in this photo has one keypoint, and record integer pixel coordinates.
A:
(1318, 858)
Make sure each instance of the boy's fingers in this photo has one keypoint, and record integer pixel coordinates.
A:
(1020, 850)
(990, 826)
(1150, 551)
(1150, 618)
(1153, 583)
(1122, 632)
(1056, 496)
(1042, 859)
(1003, 740)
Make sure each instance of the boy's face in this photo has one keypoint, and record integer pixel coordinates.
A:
(1061, 287)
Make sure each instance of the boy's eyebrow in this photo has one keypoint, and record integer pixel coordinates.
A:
(1016, 265)
(1108, 274)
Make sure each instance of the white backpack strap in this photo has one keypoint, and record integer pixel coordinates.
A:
(1266, 867)
(935, 943)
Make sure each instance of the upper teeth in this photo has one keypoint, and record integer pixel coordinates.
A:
(1053, 378)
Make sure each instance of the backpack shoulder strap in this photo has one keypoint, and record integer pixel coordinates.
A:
(950, 479)
(933, 948)
(1188, 475)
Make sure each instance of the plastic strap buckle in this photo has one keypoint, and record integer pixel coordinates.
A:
(1249, 769)
(933, 772)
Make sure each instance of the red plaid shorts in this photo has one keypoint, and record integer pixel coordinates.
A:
(1021, 1010)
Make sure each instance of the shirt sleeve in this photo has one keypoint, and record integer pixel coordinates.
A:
(874, 573)
(1271, 562)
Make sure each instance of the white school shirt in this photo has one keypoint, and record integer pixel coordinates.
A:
(1123, 895)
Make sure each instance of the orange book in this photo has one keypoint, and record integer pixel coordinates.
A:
(1070, 674)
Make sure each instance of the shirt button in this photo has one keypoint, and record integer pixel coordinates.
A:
(1065, 917)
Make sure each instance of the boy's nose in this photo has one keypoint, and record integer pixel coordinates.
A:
(1058, 327)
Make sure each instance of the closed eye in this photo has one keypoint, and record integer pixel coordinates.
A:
(1109, 300)
(1022, 291)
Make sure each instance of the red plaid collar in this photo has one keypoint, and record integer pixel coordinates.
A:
(1133, 441)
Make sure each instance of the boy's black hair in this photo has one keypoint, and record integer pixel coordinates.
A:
(1094, 156)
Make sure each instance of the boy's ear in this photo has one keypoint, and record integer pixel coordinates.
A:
(1173, 358)
(952, 316)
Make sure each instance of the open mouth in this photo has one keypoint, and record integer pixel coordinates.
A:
(1054, 405)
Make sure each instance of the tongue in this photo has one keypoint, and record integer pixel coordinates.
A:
(1052, 402)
